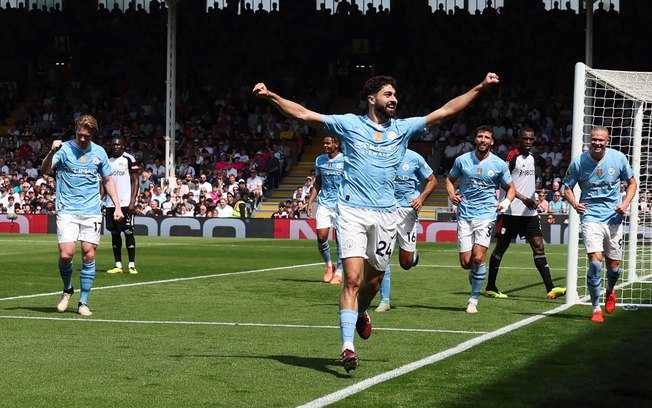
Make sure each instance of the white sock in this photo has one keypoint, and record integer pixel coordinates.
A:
(347, 345)
(118, 265)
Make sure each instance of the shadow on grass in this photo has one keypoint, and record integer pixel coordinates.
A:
(324, 365)
(50, 310)
(587, 365)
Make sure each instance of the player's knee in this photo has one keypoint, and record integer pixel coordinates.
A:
(478, 260)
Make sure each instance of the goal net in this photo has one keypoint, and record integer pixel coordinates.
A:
(622, 102)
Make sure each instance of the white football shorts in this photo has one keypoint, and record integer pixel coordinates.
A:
(325, 217)
(474, 232)
(406, 228)
(368, 234)
(606, 238)
(73, 228)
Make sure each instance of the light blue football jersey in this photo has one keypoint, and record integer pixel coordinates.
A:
(332, 173)
(407, 184)
(78, 183)
(600, 184)
(372, 153)
(479, 181)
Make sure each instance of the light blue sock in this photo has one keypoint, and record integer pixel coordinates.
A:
(594, 281)
(478, 273)
(325, 251)
(86, 279)
(385, 286)
(612, 277)
(348, 318)
(66, 274)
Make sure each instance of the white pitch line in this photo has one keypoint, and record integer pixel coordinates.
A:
(126, 285)
(189, 323)
(370, 382)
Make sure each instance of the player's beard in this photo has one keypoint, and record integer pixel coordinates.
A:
(383, 113)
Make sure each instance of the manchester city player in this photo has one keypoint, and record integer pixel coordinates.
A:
(481, 173)
(373, 146)
(329, 171)
(79, 164)
(409, 197)
(599, 172)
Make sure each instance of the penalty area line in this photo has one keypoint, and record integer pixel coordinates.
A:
(407, 368)
(154, 282)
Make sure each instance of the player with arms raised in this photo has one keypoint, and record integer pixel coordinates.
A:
(373, 146)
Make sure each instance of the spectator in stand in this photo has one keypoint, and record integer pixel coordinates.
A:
(555, 188)
(273, 171)
(183, 212)
(242, 208)
(157, 169)
(202, 211)
(223, 209)
(557, 205)
(144, 180)
(168, 205)
(281, 212)
(299, 194)
(155, 209)
(255, 185)
(541, 202)
(204, 184)
(186, 169)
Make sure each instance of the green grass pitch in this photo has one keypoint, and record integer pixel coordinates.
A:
(248, 323)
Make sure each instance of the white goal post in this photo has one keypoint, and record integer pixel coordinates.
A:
(622, 102)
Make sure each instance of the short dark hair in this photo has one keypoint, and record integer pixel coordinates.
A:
(375, 84)
(525, 129)
(485, 128)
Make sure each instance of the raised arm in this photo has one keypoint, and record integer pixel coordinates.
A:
(290, 108)
(458, 104)
(46, 166)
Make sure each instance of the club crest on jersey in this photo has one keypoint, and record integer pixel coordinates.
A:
(83, 159)
(478, 171)
(391, 135)
(490, 173)
(96, 160)
(599, 172)
(611, 171)
(378, 136)
(406, 166)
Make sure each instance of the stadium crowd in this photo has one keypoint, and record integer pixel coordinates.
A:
(232, 150)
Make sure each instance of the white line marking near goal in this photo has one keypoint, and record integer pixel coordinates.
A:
(188, 323)
(370, 382)
(216, 275)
